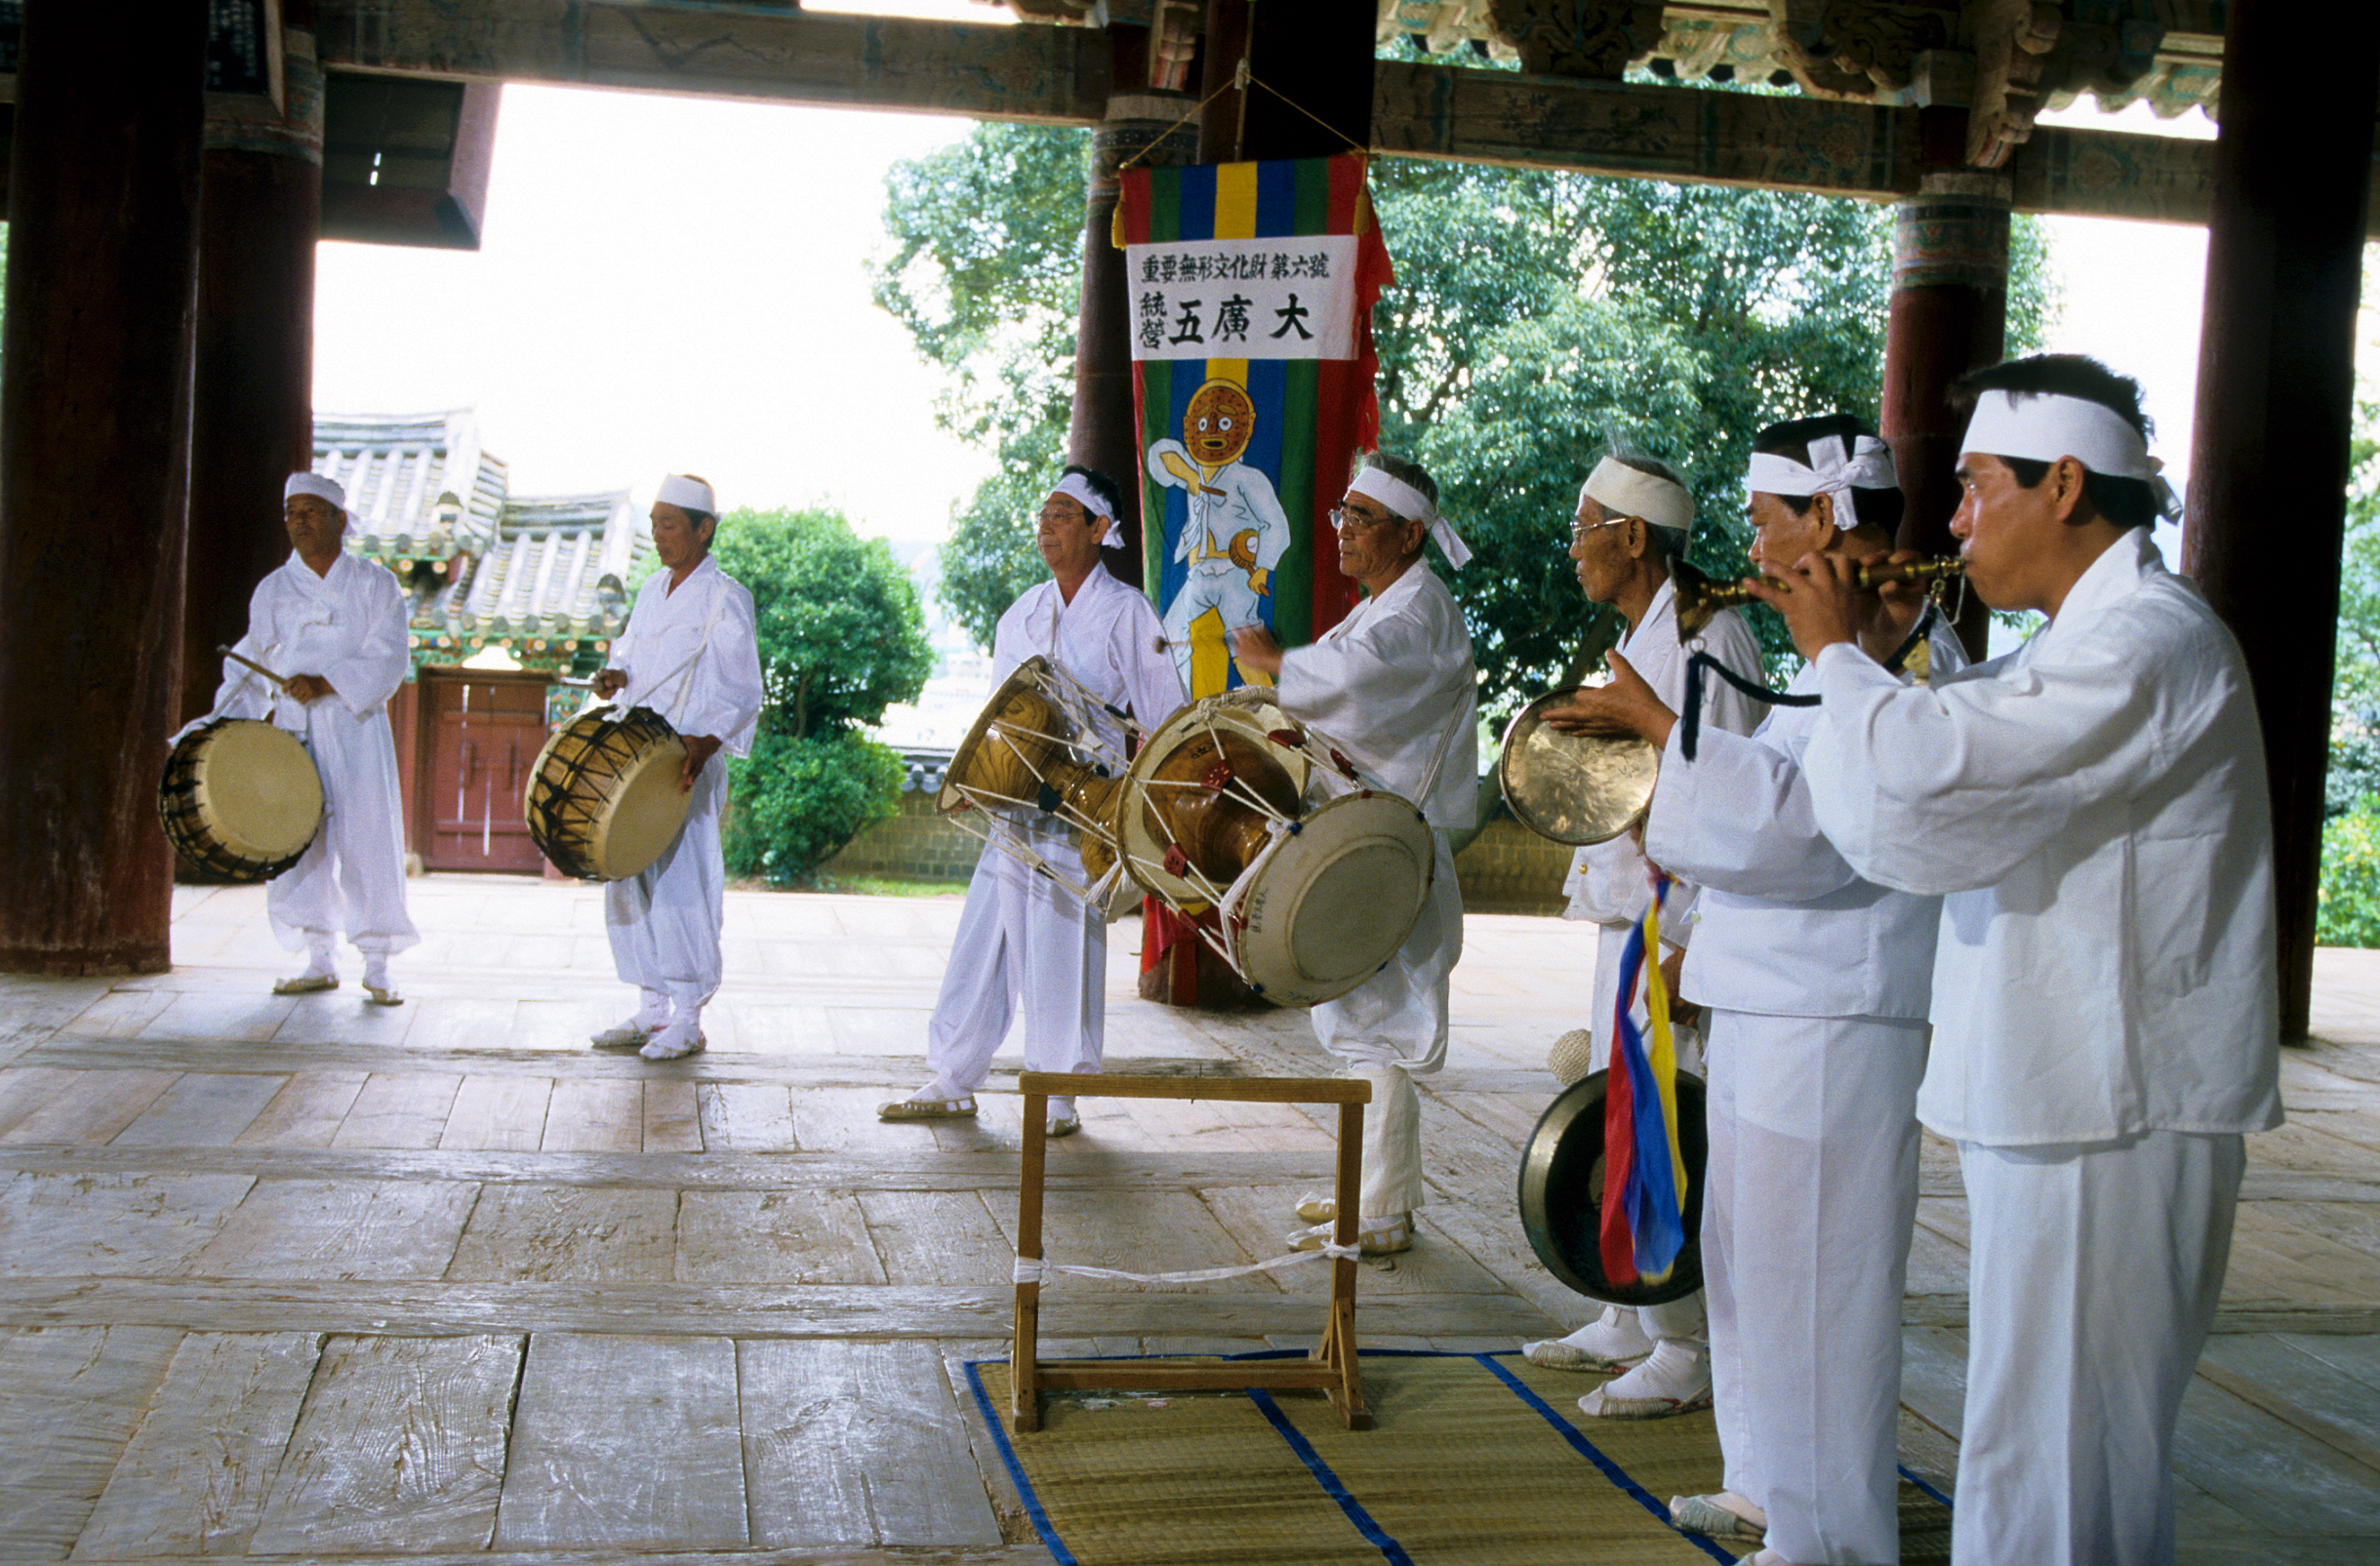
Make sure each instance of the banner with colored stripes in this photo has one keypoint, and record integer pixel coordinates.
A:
(1250, 288)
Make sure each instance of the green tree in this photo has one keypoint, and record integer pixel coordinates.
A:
(987, 275)
(841, 638)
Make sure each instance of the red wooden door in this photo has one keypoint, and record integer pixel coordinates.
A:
(485, 734)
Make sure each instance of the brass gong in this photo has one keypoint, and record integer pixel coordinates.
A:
(1574, 789)
(1561, 1194)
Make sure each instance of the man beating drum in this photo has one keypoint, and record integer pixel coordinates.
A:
(690, 653)
(1394, 683)
(1022, 937)
(338, 620)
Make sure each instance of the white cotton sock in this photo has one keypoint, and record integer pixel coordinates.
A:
(1613, 1335)
(321, 959)
(652, 1009)
(1678, 1369)
(1059, 1108)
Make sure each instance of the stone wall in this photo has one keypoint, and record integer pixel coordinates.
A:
(1505, 870)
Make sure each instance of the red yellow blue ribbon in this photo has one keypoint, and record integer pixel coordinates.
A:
(1644, 1164)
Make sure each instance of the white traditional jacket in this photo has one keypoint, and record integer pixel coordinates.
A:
(692, 655)
(346, 626)
(2094, 807)
(1394, 684)
(1107, 638)
(1611, 882)
(1786, 926)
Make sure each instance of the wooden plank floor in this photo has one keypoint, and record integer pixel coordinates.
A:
(307, 1279)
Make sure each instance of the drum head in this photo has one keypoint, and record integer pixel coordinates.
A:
(1031, 733)
(1238, 715)
(1561, 1194)
(647, 813)
(1321, 909)
(1569, 788)
(259, 790)
(602, 802)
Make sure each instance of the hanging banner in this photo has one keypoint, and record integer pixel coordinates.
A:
(1250, 288)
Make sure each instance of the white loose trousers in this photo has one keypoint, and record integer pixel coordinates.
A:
(665, 920)
(1392, 1026)
(1025, 944)
(1808, 1199)
(2093, 1273)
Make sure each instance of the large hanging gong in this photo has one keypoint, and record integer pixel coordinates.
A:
(1561, 1194)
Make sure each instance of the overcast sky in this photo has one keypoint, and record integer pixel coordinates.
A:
(671, 283)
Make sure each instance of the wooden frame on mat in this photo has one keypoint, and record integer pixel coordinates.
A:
(1331, 1367)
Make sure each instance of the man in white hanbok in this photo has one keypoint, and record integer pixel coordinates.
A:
(1394, 683)
(690, 651)
(2093, 809)
(1635, 517)
(1815, 986)
(1024, 942)
(333, 625)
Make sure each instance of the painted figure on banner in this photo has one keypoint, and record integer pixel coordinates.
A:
(1232, 538)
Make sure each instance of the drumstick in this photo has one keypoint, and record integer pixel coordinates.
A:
(242, 658)
(1182, 470)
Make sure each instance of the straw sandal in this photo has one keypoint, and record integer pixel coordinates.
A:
(1711, 1516)
(305, 984)
(1594, 1405)
(384, 995)
(961, 1108)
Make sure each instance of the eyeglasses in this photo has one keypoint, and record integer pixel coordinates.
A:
(1342, 519)
(1577, 534)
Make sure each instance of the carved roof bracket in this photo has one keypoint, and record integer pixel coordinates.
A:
(2028, 49)
(1592, 39)
(1859, 48)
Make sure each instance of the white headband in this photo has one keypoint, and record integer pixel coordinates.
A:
(1401, 497)
(687, 494)
(316, 485)
(1861, 463)
(2042, 427)
(1076, 488)
(1659, 503)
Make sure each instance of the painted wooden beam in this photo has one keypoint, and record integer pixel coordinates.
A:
(1060, 75)
(1051, 74)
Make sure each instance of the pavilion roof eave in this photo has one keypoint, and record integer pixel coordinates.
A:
(1060, 75)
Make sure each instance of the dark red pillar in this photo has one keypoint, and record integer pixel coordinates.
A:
(1141, 127)
(251, 422)
(2269, 463)
(1313, 63)
(1949, 315)
(94, 415)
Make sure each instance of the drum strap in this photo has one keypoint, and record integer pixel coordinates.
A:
(1692, 717)
(687, 667)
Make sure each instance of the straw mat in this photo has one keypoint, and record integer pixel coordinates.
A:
(1475, 1460)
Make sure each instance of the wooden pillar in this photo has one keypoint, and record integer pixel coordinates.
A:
(1949, 315)
(1317, 53)
(1104, 432)
(95, 415)
(2268, 465)
(252, 419)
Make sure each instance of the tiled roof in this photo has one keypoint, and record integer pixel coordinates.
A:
(546, 580)
(419, 487)
(559, 570)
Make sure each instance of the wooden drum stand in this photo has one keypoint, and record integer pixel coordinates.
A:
(1331, 1367)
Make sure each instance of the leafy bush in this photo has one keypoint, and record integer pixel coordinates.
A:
(798, 800)
(2348, 913)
